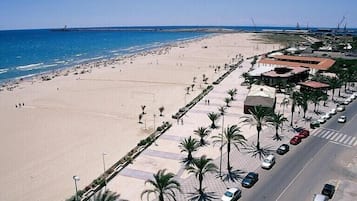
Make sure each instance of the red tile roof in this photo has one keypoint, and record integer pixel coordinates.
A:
(293, 71)
(297, 61)
(314, 84)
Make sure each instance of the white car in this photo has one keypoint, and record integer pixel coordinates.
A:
(353, 96)
(340, 108)
(332, 112)
(342, 119)
(268, 162)
(321, 120)
(232, 194)
(326, 116)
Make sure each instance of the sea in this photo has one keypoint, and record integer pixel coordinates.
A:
(25, 53)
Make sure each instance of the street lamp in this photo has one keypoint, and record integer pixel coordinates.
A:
(154, 121)
(76, 178)
(105, 180)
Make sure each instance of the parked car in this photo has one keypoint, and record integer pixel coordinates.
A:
(298, 129)
(295, 140)
(328, 190)
(321, 120)
(340, 108)
(332, 112)
(231, 194)
(268, 162)
(250, 179)
(342, 119)
(326, 116)
(314, 124)
(320, 197)
(282, 149)
(304, 134)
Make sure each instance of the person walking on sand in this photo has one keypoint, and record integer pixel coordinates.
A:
(208, 101)
(181, 121)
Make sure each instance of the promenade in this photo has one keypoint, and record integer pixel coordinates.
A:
(165, 154)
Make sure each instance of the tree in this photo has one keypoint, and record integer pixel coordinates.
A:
(164, 186)
(227, 101)
(277, 120)
(284, 103)
(303, 101)
(222, 111)
(143, 109)
(106, 195)
(231, 136)
(259, 118)
(192, 85)
(200, 167)
(294, 101)
(189, 145)
(213, 117)
(334, 84)
(161, 110)
(232, 93)
(202, 132)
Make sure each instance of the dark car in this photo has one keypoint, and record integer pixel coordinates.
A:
(298, 129)
(295, 140)
(304, 133)
(328, 190)
(250, 179)
(314, 124)
(282, 149)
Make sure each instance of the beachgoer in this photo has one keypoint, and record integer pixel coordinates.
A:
(208, 101)
(16, 105)
(181, 121)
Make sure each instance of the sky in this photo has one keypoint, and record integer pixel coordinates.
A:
(33, 14)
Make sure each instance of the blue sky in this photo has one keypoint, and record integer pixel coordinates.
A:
(23, 14)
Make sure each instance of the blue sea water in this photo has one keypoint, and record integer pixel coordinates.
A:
(28, 52)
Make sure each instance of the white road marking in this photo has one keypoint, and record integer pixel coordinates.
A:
(347, 139)
(329, 135)
(341, 140)
(351, 142)
(339, 135)
(325, 134)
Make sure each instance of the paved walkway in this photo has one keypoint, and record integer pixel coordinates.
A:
(165, 154)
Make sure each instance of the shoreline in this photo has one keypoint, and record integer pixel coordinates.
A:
(13, 83)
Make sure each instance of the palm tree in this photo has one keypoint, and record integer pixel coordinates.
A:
(143, 109)
(294, 101)
(259, 118)
(232, 93)
(231, 136)
(277, 120)
(213, 117)
(164, 186)
(303, 101)
(188, 145)
(222, 111)
(106, 195)
(200, 167)
(284, 103)
(334, 84)
(161, 109)
(202, 132)
(227, 101)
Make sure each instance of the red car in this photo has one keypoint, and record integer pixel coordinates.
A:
(304, 134)
(295, 140)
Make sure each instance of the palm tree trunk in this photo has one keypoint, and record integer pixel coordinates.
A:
(228, 157)
(258, 143)
(161, 197)
(333, 93)
(189, 156)
(292, 115)
(200, 179)
(276, 133)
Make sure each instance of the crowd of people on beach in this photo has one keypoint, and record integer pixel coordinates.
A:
(19, 105)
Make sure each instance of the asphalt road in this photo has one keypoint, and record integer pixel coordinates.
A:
(301, 172)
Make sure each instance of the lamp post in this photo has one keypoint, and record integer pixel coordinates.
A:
(222, 110)
(76, 178)
(154, 122)
(105, 180)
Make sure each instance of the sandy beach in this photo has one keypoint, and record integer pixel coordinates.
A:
(64, 125)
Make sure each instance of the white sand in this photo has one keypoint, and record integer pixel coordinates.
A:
(63, 132)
